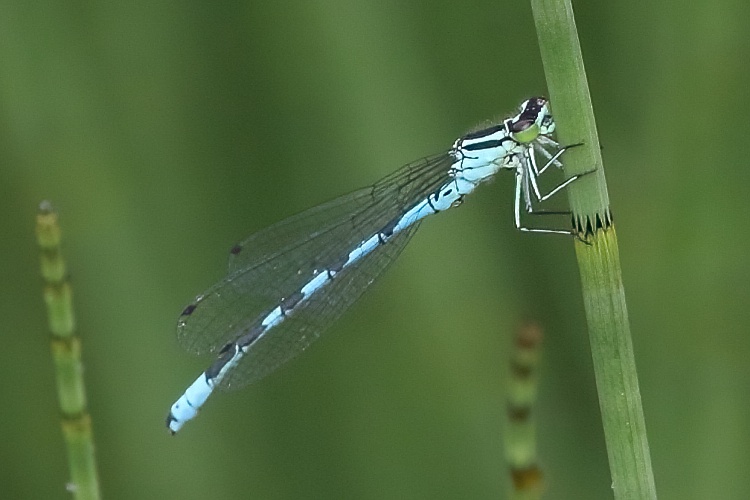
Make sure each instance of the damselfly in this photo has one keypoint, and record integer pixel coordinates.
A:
(286, 284)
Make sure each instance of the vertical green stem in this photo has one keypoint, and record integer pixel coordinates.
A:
(597, 253)
(66, 352)
(520, 428)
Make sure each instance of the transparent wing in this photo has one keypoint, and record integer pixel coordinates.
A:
(314, 316)
(276, 262)
(389, 196)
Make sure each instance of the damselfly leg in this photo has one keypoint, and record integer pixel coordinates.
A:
(527, 173)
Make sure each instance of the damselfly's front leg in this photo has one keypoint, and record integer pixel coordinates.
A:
(527, 172)
(533, 171)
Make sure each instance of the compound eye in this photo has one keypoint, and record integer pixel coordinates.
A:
(520, 126)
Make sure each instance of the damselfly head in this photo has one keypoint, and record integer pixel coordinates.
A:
(534, 119)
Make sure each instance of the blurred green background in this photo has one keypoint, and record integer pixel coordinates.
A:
(166, 131)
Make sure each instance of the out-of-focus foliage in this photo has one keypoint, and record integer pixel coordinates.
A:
(166, 131)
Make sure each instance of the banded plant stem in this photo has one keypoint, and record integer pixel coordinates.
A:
(527, 481)
(66, 352)
(597, 254)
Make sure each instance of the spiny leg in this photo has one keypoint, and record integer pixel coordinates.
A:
(534, 172)
(526, 181)
(552, 159)
(520, 174)
(539, 146)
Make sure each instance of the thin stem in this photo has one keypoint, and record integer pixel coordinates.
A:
(520, 428)
(66, 352)
(597, 253)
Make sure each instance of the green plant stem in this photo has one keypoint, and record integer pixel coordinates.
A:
(66, 352)
(597, 253)
(520, 428)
